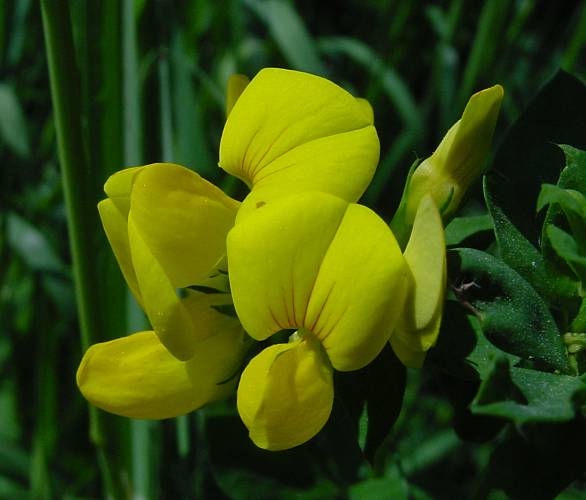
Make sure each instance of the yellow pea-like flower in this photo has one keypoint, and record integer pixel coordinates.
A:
(287, 132)
(329, 269)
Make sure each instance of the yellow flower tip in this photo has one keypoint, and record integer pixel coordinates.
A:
(285, 395)
(367, 109)
(492, 94)
(410, 357)
(460, 157)
(115, 224)
(236, 85)
(119, 186)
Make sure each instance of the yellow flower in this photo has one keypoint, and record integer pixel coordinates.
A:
(329, 269)
(286, 132)
(419, 324)
(455, 164)
(167, 227)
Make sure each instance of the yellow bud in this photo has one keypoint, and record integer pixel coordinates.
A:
(456, 163)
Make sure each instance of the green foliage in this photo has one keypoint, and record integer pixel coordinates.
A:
(511, 313)
(528, 156)
(522, 395)
(516, 251)
(12, 122)
(506, 341)
(461, 228)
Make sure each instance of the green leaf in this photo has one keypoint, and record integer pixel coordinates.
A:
(290, 34)
(372, 399)
(566, 247)
(436, 448)
(512, 315)
(528, 156)
(523, 395)
(386, 378)
(32, 245)
(537, 461)
(12, 489)
(516, 251)
(256, 473)
(573, 176)
(14, 461)
(13, 129)
(462, 350)
(391, 81)
(572, 203)
(191, 148)
(462, 228)
(570, 200)
(392, 485)
(464, 357)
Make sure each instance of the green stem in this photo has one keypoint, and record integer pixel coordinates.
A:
(65, 95)
(79, 202)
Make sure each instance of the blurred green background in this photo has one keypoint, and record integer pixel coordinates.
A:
(152, 78)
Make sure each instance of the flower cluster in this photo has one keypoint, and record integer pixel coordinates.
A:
(215, 276)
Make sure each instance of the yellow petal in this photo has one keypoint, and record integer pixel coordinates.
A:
(118, 188)
(411, 346)
(359, 291)
(425, 254)
(426, 257)
(115, 225)
(206, 320)
(274, 257)
(285, 394)
(281, 110)
(464, 149)
(236, 85)
(165, 310)
(330, 164)
(136, 377)
(182, 219)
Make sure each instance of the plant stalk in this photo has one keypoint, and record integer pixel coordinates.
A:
(79, 202)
